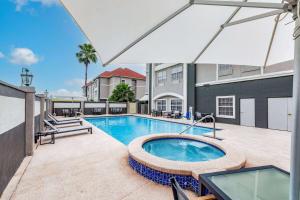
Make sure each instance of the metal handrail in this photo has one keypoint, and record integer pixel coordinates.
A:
(200, 120)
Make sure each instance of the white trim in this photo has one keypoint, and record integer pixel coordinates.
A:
(233, 105)
(248, 78)
(168, 94)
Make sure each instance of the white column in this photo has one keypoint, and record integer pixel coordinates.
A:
(295, 154)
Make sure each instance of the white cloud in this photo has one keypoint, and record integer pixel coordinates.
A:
(23, 56)
(47, 2)
(1, 55)
(21, 3)
(76, 82)
(65, 92)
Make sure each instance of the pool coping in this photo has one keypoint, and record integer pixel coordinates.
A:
(233, 158)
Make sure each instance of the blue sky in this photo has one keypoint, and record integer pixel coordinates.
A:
(41, 34)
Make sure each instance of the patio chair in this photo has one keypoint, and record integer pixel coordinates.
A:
(179, 194)
(166, 114)
(66, 112)
(176, 114)
(198, 115)
(154, 113)
(56, 122)
(52, 131)
(97, 111)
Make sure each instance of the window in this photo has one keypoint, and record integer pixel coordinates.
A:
(176, 105)
(133, 86)
(176, 74)
(161, 77)
(123, 81)
(225, 106)
(161, 105)
(225, 70)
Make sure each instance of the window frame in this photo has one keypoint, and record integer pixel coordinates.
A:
(233, 107)
(161, 80)
(225, 72)
(156, 104)
(176, 99)
(177, 73)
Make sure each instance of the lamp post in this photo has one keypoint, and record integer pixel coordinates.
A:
(46, 93)
(26, 77)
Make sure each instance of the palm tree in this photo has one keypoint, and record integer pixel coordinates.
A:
(86, 55)
(122, 93)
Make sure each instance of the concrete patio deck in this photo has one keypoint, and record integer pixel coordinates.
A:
(86, 166)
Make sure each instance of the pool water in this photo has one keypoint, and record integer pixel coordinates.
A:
(179, 149)
(127, 128)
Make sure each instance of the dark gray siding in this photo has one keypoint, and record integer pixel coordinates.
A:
(12, 148)
(191, 81)
(150, 88)
(37, 123)
(261, 90)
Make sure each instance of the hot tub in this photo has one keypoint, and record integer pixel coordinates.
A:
(159, 157)
(182, 149)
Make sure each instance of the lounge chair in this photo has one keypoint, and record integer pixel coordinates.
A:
(65, 122)
(179, 194)
(54, 130)
(62, 120)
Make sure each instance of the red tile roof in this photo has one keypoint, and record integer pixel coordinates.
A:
(122, 72)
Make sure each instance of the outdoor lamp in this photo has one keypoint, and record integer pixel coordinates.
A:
(26, 77)
(46, 93)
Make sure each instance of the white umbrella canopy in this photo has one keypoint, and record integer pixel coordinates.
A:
(239, 32)
(168, 31)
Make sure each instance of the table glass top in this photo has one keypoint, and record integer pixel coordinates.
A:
(261, 184)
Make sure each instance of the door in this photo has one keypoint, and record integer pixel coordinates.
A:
(290, 120)
(247, 112)
(280, 113)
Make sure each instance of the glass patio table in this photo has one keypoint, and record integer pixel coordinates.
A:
(257, 183)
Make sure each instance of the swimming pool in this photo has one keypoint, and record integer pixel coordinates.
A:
(127, 128)
(180, 149)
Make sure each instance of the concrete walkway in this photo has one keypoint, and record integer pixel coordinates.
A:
(95, 166)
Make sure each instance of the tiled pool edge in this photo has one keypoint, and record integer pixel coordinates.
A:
(185, 181)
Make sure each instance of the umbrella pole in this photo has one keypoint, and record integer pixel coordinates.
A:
(295, 154)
